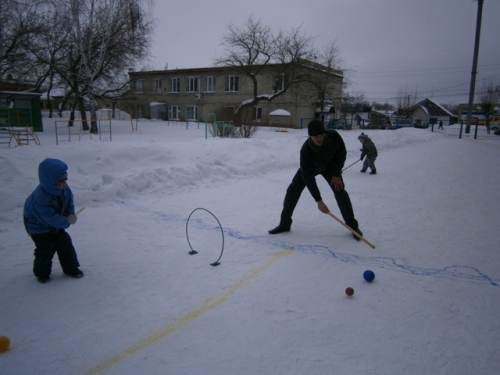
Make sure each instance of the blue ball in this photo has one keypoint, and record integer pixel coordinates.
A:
(368, 276)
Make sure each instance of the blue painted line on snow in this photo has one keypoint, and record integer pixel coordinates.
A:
(400, 264)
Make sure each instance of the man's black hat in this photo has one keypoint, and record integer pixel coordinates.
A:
(315, 127)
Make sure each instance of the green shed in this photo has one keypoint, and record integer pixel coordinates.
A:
(21, 108)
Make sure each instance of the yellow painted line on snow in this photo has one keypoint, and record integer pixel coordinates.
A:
(209, 304)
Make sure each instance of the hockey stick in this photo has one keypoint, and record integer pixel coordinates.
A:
(80, 210)
(353, 231)
(351, 165)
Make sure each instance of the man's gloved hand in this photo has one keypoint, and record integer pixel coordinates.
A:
(72, 219)
(361, 158)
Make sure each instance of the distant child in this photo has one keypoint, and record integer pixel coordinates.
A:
(370, 151)
(48, 211)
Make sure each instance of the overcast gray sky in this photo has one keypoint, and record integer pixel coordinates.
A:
(423, 45)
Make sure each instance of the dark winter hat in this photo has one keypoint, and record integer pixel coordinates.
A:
(362, 136)
(63, 177)
(315, 127)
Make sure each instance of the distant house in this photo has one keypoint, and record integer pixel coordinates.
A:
(381, 119)
(361, 119)
(53, 100)
(429, 112)
(194, 94)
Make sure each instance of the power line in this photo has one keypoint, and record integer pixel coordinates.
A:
(437, 70)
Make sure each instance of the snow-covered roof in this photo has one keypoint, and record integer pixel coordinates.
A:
(382, 112)
(424, 109)
(55, 92)
(362, 115)
(279, 112)
(444, 109)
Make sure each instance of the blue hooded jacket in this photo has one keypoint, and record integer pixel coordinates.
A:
(47, 208)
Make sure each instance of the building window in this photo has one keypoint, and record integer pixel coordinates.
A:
(191, 84)
(174, 112)
(209, 82)
(174, 85)
(257, 114)
(156, 86)
(139, 85)
(279, 82)
(191, 113)
(140, 111)
(231, 84)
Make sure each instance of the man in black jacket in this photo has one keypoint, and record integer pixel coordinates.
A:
(322, 153)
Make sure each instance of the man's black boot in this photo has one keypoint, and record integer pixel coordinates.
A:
(279, 229)
(359, 232)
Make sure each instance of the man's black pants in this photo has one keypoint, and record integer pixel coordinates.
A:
(295, 190)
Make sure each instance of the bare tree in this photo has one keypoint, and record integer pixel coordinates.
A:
(255, 48)
(330, 58)
(85, 45)
(352, 103)
(19, 23)
(405, 102)
(382, 106)
(489, 98)
(108, 36)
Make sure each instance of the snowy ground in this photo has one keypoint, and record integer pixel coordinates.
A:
(275, 304)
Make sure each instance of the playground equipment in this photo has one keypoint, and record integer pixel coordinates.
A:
(280, 119)
(218, 128)
(64, 131)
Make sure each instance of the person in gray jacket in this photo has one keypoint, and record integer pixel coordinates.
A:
(48, 211)
(370, 151)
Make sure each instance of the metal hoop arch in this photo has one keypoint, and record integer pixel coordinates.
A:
(193, 252)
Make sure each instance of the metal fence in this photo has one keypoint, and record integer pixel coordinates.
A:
(471, 132)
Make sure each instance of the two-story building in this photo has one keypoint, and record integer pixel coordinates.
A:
(194, 94)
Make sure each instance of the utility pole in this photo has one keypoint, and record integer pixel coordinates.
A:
(474, 64)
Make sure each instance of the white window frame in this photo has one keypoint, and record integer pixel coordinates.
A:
(193, 113)
(174, 112)
(192, 84)
(209, 84)
(279, 82)
(156, 85)
(231, 83)
(139, 85)
(174, 85)
(257, 114)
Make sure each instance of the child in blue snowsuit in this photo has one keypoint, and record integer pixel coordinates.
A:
(48, 211)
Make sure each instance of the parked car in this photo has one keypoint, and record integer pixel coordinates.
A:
(376, 124)
(403, 123)
(339, 124)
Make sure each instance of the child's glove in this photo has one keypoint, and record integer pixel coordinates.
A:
(72, 219)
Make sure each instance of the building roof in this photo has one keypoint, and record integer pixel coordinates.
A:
(304, 63)
(434, 109)
(19, 95)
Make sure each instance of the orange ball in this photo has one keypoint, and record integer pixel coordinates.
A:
(349, 291)
(4, 343)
